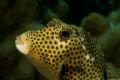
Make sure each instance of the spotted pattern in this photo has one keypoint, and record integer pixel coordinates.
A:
(68, 51)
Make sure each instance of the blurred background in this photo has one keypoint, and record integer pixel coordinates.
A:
(100, 17)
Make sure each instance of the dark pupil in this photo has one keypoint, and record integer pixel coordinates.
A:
(65, 34)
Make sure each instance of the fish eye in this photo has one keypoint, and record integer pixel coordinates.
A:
(64, 34)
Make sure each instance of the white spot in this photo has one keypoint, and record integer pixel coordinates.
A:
(82, 39)
(92, 58)
(83, 47)
(87, 56)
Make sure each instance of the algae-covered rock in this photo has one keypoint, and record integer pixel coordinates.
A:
(113, 18)
(110, 42)
(16, 16)
(62, 9)
(16, 12)
(95, 23)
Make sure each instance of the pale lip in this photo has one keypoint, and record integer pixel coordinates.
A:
(22, 46)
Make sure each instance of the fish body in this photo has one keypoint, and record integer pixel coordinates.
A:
(62, 51)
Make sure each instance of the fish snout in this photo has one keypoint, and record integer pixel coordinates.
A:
(22, 45)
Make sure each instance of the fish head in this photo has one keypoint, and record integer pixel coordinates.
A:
(49, 47)
(63, 51)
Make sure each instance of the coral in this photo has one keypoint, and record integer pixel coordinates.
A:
(62, 9)
(114, 18)
(49, 14)
(16, 11)
(16, 16)
(110, 42)
(95, 24)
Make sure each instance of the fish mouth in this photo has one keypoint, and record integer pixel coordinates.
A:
(22, 45)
